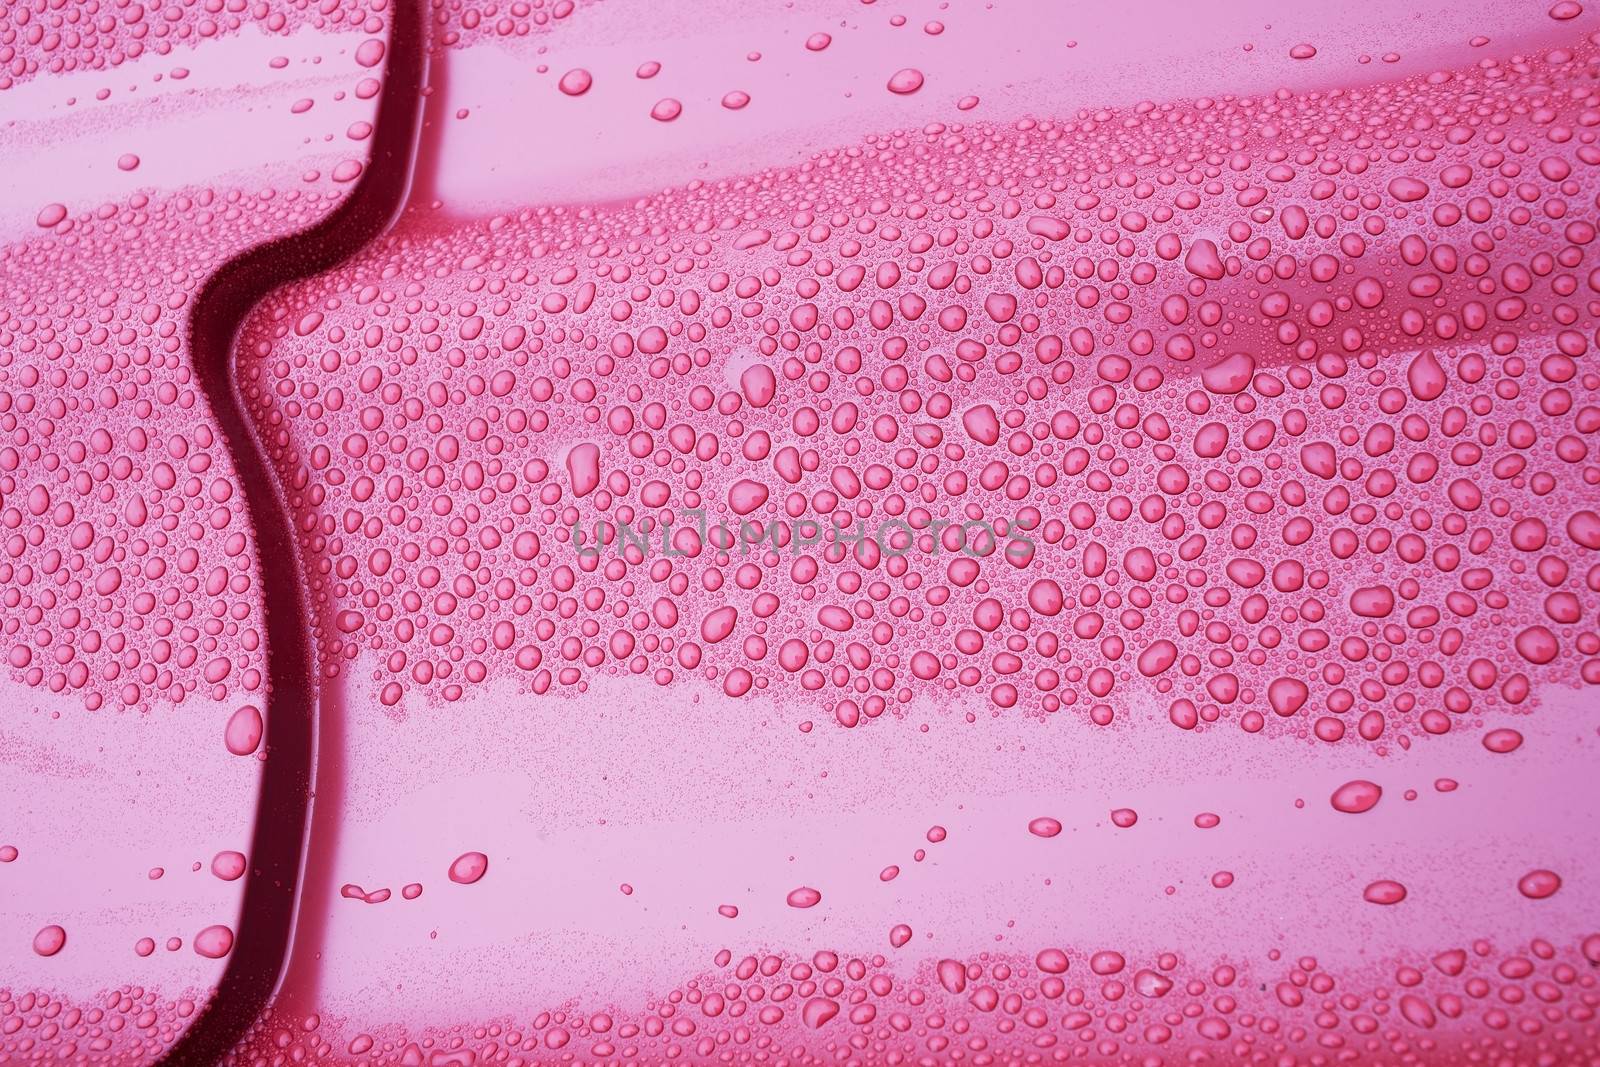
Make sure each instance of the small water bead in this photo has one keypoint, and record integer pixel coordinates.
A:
(818, 1011)
(666, 109)
(144, 946)
(127, 161)
(49, 940)
(1044, 826)
(244, 731)
(1149, 983)
(735, 99)
(1502, 740)
(1356, 796)
(8, 853)
(1384, 891)
(1537, 644)
(468, 868)
(1539, 884)
(1123, 818)
(648, 69)
(575, 82)
(1052, 961)
(214, 942)
(51, 215)
(1408, 190)
(905, 81)
(370, 52)
(804, 897)
(1107, 961)
(1302, 51)
(728, 911)
(900, 935)
(228, 866)
(818, 41)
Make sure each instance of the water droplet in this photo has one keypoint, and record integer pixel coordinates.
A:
(214, 942)
(804, 897)
(1356, 796)
(1539, 884)
(905, 81)
(49, 940)
(1384, 891)
(468, 867)
(575, 82)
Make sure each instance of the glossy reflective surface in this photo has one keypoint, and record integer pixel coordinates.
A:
(856, 532)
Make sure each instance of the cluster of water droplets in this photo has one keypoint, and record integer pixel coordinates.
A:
(577, 81)
(1273, 412)
(40, 38)
(1535, 1004)
(127, 572)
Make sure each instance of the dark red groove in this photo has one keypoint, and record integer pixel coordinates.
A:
(279, 837)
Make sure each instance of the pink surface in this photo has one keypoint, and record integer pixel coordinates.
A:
(1266, 366)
